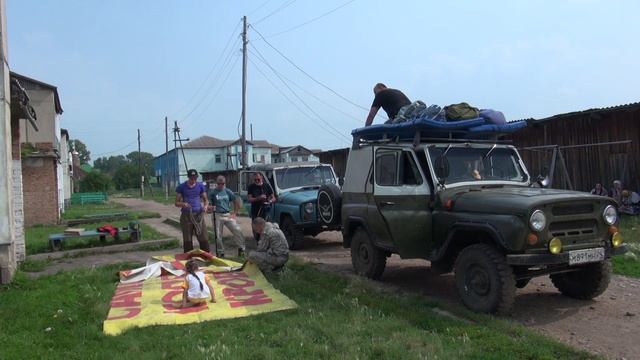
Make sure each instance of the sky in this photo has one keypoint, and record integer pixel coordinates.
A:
(123, 65)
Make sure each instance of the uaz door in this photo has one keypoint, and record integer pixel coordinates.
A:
(402, 197)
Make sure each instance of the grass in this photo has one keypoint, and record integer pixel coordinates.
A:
(33, 265)
(337, 317)
(77, 211)
(37, 237)
(629, 264)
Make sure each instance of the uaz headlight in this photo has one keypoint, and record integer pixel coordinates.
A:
(308, 207)
(610, 215)
(538, 221)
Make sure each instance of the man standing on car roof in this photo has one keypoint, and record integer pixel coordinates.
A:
(391, 100)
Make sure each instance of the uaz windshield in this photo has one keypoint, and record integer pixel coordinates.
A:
(295, 177)
(471, 164)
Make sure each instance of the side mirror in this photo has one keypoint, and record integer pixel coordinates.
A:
(543, 181)
(441, 167)
(341, 181)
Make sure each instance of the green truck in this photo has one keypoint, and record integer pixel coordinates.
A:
(471, 207)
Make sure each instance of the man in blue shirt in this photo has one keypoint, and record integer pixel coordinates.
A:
(191, 197)
(220, 200)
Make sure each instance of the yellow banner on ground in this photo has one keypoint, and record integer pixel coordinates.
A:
(156, 301)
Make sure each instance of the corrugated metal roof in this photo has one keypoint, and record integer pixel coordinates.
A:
(628, 107)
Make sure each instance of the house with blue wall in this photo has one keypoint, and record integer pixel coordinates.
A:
(208, 155)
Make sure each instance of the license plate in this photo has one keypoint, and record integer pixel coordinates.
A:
(586, 256)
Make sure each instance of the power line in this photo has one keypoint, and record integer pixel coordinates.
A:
(213, 83)
(283, 6)
(258, 8)
(312, 20)
(215, 95)
(292, 102)
(224, 50)
(303, 102)
(307, 74)
(114, 151)
(305, 90)
(299, 98)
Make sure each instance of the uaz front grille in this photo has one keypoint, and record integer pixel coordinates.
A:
(573, 228)
(572, 209)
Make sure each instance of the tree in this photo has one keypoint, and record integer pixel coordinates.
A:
(83, 153)
(95, 181)
(126, 177)
(147, 162)
(110, 164)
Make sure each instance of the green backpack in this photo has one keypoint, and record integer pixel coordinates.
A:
(461, 111)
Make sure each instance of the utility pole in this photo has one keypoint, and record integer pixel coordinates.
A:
(140, 176)
(251, 131)
(165, 169)
(243, 140)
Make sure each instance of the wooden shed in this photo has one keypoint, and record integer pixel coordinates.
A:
(595, 145)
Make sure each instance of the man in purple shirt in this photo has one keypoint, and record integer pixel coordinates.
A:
(191, 197)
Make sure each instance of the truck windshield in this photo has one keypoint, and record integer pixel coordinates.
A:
(474, 164)
(296, 177)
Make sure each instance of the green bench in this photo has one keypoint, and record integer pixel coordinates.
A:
(88, 198)
(134, 231)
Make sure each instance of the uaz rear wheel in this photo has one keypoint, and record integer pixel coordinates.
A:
(367, 260)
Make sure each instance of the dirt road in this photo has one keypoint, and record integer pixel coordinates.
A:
(607, 326)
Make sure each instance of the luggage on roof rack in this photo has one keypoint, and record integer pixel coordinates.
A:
(415, 130)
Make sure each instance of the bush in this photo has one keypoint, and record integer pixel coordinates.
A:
(95, 181)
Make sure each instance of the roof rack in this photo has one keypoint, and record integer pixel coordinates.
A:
(419, 137)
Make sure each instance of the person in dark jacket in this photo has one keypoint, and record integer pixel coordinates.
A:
(391, 100)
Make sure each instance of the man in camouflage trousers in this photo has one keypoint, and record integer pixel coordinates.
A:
(273, 250)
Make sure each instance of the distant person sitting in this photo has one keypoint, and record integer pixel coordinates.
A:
(391, 100)
(616, 191)
(599, 190)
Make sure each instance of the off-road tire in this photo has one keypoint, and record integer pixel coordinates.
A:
(367, 260)
(484, 280)
(329, 203)
(293, 234)
(585, 284)
(521, 284)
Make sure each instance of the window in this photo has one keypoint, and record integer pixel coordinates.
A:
(386, 168)
(305, 158)
(218, 158)
(409, 173)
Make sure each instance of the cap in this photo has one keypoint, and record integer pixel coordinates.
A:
(192, 172)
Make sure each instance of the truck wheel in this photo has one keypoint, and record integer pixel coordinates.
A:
(586, 283)
(367, 260)
(293, 234)
(521, 284)
(328, 203)
(484, 280)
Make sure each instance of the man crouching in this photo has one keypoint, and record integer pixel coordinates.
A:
(273, 250)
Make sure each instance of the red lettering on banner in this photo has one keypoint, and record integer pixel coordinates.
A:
(133, 312)
(237, 283)
(172, 299)
(236, 293)
(126, 298)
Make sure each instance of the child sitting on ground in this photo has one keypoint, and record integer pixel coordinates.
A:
(195, 292)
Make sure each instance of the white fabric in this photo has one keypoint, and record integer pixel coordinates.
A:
(194, 291)
(153, 269)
